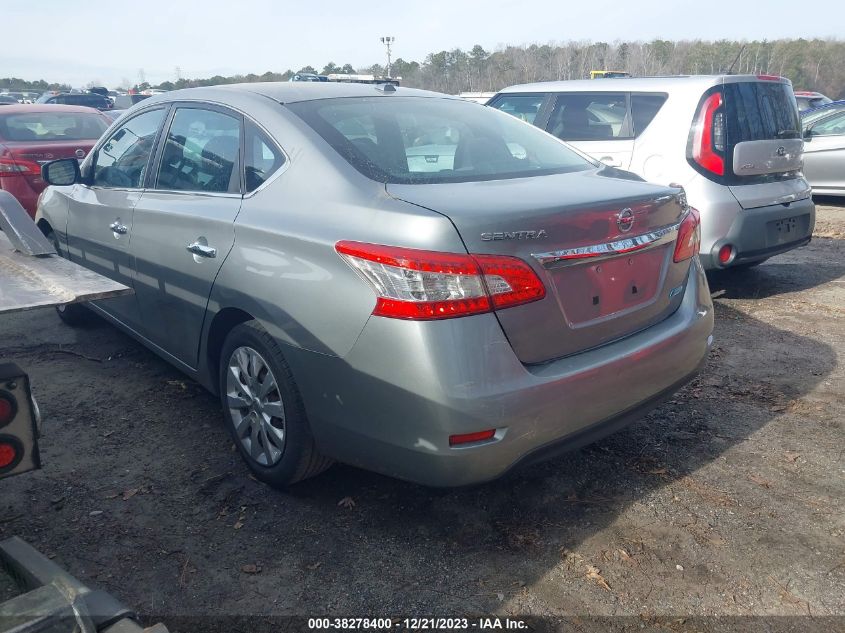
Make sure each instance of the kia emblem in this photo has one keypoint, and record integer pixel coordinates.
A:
(625, 220)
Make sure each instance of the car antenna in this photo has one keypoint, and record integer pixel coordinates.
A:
(736, 59)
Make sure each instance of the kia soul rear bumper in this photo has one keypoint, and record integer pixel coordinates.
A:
(393, 402)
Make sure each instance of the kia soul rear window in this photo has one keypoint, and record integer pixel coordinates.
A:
(761, 111)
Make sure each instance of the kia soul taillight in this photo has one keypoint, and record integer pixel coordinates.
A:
(425, 285)
(708, 135)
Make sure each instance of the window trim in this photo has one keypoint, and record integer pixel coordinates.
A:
(91, 167)
(152, 174)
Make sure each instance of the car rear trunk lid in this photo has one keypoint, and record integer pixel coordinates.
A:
(569, 228)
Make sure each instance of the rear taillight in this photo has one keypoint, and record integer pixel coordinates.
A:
(17, 167)
(708, 142)
(689, 236)
(424, 285)
(8, 408)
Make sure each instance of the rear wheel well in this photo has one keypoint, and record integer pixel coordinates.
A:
(221, 325)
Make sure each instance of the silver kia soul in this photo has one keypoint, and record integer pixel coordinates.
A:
(732, 141)
(392, 278)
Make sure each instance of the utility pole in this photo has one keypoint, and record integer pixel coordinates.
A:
(388, 40)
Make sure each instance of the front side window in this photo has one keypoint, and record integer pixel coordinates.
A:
(122, 160)
(590, 117)
(524, 107)
(262, 158)
(201, 152)
(834, 126)
(411, 140)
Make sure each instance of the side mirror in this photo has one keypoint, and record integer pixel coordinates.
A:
(808, 134)
(64, 171)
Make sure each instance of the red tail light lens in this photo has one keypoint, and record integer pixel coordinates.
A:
(423, 285)
(17, 167)
(689, 236)
(8, 454)
(708, 143)
(469, 438)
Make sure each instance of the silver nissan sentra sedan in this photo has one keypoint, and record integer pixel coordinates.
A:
(396, 279)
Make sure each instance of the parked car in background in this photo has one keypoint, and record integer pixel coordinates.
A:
(31, 135)
(126, 101)
(807, 100)
(824, 148)
(8, 100)
(87, 99)
(439, 317)
(733, 142)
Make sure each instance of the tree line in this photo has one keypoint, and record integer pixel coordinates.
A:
(814, 64)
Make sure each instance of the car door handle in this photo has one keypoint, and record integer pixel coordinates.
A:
(202, 250)
(118, 228)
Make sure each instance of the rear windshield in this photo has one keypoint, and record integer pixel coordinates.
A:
(761, 111)
(409, 140)
(47, 126)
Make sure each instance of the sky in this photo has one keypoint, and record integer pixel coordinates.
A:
(109, 43)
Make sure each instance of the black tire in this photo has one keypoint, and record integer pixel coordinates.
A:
(73, 314)
(299, 456)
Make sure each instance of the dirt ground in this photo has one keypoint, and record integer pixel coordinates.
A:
(729, 500)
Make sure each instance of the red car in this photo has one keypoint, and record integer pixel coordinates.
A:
(33, 134)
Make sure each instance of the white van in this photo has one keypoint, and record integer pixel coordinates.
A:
(732, 141)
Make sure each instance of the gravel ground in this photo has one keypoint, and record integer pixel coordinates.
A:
(726, 501)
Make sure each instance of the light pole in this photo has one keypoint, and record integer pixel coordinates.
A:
(388, 40)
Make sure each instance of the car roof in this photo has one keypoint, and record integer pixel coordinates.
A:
(292, 92)
(44, 108)
(633, 84)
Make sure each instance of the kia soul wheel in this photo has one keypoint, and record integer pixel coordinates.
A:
(263, 410)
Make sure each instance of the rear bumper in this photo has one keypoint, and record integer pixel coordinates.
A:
(393, 402)
(757, 234)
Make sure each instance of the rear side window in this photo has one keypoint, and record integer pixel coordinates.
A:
(760, 111)
(643, 110)
(262, 158)
(590, 117)
(524, 107)
(201, 152)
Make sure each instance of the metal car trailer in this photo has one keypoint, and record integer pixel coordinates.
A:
(32, 275)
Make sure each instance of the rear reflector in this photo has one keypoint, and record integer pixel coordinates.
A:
(423, 285)
(726, 254)
(469, 438)
(689, 236)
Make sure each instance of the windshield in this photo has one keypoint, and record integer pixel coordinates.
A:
(41, 126)
(410, 140)
(761, 111)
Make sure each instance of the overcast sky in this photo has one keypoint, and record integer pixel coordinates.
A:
(78, 41)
